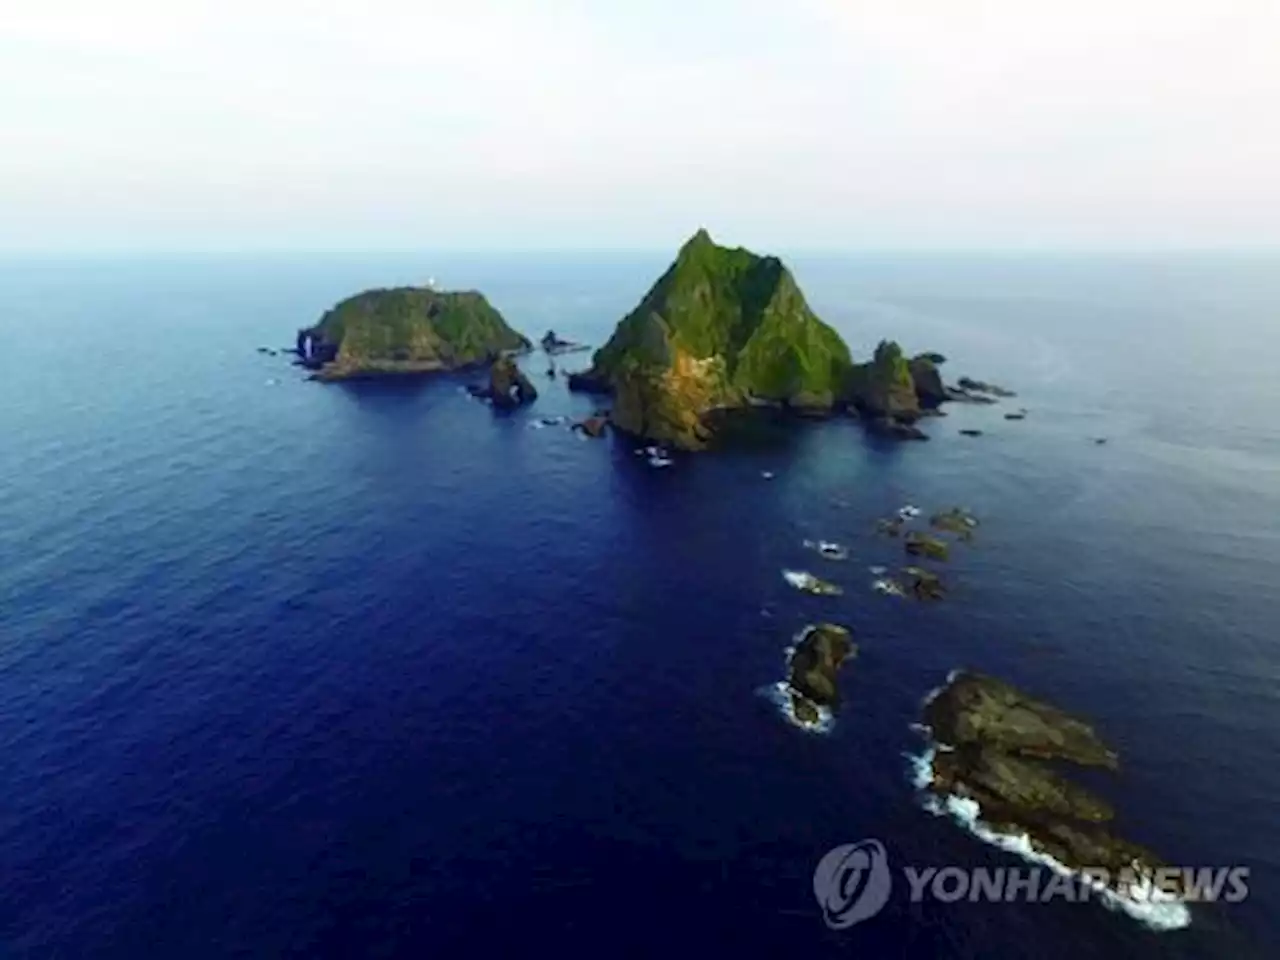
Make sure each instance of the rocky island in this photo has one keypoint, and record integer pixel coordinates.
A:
(406, 330)
(725, 329)
(992, 748)
(812, 667)
(507, 388)
(553, 345)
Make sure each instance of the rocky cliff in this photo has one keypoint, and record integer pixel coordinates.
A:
(720, 329)
(884, 387)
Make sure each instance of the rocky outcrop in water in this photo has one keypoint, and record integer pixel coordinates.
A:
(992, 746)
(957, 520)
(923, 584)
(508, 386)
(554, 345)
(884, 389)
(931, 392)
(975, 710)
(819, 653)
(971, 386)
(920, 544)
(593, 426)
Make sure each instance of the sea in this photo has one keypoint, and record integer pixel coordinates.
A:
(291, 669)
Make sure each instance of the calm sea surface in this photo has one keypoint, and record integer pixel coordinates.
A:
(299, 670)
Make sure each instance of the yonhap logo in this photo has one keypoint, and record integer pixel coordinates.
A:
(852, 883)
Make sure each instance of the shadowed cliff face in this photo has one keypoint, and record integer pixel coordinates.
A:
(406, 330)
(927, 378)
(720, 327)
(885, 387)
(508, 386)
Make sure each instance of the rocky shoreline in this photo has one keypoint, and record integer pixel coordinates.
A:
(994, 756)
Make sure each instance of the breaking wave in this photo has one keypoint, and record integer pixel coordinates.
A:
(1158, 911)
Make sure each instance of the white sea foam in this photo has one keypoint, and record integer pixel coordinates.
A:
(932, 695)
(797, 578)
(1148, 906)
(780, 695)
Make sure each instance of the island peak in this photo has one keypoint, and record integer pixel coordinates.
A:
(720, 328)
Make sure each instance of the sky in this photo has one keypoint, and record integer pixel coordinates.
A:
(625, 124)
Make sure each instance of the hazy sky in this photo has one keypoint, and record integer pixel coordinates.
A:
(800, 124)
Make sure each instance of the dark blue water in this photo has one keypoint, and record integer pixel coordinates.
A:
(293, 670)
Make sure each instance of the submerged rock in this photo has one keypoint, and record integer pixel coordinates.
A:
(915, 583)
(958, 395)
(920, 544)
(594, 426)
(808, 583)
(829, 549)
(889, 587)
(897, 429)
(891, 526)
(957, 520)
(978, 386)
(923, 584)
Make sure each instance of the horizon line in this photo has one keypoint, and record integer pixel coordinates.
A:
(13, 254)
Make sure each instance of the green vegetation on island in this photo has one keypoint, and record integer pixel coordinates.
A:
(727, 329)
(722, 328)
(406, 330)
